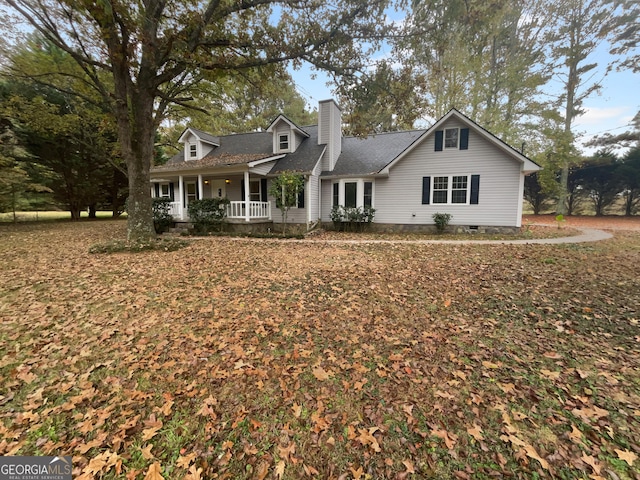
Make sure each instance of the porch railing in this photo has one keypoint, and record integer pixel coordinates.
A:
(256, 210)
(174, 210)
(234, 210)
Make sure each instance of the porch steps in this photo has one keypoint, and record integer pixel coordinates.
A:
(181, 227)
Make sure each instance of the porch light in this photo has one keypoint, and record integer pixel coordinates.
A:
(227, 181)
(206, 182)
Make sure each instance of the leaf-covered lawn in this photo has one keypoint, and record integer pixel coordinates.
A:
(276, 359)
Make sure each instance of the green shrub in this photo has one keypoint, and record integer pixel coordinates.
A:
(441, 220)
(208, 215)
(353, 219)
(162, 219)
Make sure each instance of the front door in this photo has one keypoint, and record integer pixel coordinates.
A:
(191, 192)
(218, 189)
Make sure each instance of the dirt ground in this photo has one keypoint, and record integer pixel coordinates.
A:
(609, 222)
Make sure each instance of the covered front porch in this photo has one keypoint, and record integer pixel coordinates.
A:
(247, 194)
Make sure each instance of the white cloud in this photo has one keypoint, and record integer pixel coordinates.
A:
(596, 116)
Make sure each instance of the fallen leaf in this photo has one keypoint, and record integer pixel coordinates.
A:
(475, 432)
(262, 470)
(194, 473)
(409, 465)
(320, 373)
(575, 435)
(280, 469)
(592, 462)
(533, 453)
(185, 461)
(149, 433)
(366, 438)
(154, 472)
(549, 374)
(491, 365)
(146, 452)
(627, 456)
(357, 474)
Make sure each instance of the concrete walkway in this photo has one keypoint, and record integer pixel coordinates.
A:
(587, 235)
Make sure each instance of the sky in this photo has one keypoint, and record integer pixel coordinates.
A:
(609, 111)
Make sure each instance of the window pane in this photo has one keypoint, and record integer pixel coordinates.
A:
(440, 183)
(440, 196)
(451, 138)
(254, 190)
(440, 189)
(164, 189)
(284, 142)
(459, 186)
(459, 196)
(193, 150)
(459, 182)
(350, 194)
(368, 194)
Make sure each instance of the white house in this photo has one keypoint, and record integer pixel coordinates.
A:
(454, 167)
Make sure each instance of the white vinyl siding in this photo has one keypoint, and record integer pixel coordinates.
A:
(398, 198)
(263, 168)
(326, 197)
(330, 132)
(295, 214)
(313, 194)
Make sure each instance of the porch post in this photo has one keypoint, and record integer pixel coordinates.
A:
(181, 194)
(247, 196)
(200, 192)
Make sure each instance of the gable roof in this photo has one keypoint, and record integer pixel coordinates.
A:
(237, 149)
(367, 156)
(247, 148)
(203, 136)
(528, 164)
(293, 126)
(305, 157)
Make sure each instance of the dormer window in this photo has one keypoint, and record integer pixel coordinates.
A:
(451, 138)
(193, 150)
(283, 142)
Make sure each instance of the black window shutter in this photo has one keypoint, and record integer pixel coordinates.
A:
(263, 189)
(426, 190)
(439, 140)
(171, 192)
(475, 188)
(464, 139)
(301, 198)
(242, 187)
(157, 185)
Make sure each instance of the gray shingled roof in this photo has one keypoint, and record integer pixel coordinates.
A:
(234, 149)
(305, 157)
(364, 156)
(207, 137)
(360, 156)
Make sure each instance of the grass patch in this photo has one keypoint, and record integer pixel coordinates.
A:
(52, 215)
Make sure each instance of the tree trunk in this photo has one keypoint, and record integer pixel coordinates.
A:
(92, 211)
(74, 210)
(629, 199)
(136, 134)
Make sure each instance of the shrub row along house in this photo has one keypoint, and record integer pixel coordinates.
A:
(454, 167)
